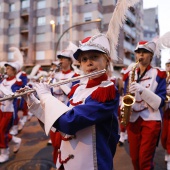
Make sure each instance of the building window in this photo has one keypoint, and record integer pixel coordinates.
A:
(87, 16)
(11, 23)
(40, 55)
(87, 1)
(12, 7)
(41, 21)
(41, 4)
(11, 39)
(25, 4)
(61, 20)
(40, 37)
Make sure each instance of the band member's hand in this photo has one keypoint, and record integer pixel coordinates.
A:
(136, 87)
(29, 97)
(41, 89)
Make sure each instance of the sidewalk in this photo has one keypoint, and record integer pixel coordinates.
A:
(34, 154)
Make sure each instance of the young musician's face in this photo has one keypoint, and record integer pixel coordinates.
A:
(10, 71)
(91, 61)
(168, 67)
(65, 63)
(144, 56)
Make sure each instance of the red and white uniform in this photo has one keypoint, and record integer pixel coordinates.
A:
(90, 123)
(145, 120)
(165, 136)
(61, 92)
(8, 109)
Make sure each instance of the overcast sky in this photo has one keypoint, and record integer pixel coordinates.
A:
(164, 21)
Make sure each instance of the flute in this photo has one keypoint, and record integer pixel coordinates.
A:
(16, 94)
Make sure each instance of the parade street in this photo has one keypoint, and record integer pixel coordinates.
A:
(35, 154)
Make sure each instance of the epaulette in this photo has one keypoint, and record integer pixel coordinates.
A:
(161, 72)
(24, 74)
(105, 92)
(75, 75)
(19, 82)
(125, 76)
(73, 89)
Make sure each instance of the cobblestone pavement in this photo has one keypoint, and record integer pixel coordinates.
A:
(34, 154)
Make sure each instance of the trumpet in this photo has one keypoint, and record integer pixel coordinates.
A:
(129, 99)
(62, 82)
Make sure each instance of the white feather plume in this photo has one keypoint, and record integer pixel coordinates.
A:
(72, 47)
(17, 55)
(34, 71)
(162, 42)
(116, 22)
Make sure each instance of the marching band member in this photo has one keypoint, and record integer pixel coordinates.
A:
(89, 125)
(22, 106)
(8, 110)
(165, 136)
(144, 125)
(65, 60)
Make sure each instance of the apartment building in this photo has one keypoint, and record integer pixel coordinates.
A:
(151, 29)
(41, 28)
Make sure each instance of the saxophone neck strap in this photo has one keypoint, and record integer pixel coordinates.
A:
(142, 75)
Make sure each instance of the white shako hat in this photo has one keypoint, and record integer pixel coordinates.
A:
(98, 42)
(147, 45)
(55, 63)
(15, 65)
(168, 61)
(68, 52)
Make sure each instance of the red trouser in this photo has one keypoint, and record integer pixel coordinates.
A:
(56, 142)
(24, 106)
(143, 138)
(6, 119)
(165, 136)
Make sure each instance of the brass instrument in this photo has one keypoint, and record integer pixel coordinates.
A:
(129, 99)
(17, 94)
(167, 99)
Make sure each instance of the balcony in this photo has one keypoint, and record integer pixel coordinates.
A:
(131, 16)
(130, 31)
(24, 28)
(24, 45)
(24, 12)
(128, 46)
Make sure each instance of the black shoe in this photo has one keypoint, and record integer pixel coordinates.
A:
(120, 143)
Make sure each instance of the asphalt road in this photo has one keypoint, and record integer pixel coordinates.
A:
(35, 154)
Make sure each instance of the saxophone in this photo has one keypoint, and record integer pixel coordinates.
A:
(167, 99)
(129, 99)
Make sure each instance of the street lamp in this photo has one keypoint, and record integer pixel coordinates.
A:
(79, 24)
(52, 22)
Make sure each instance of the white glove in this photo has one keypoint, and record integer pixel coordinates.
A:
(42, 89)
(29, 97)
(135, 87)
